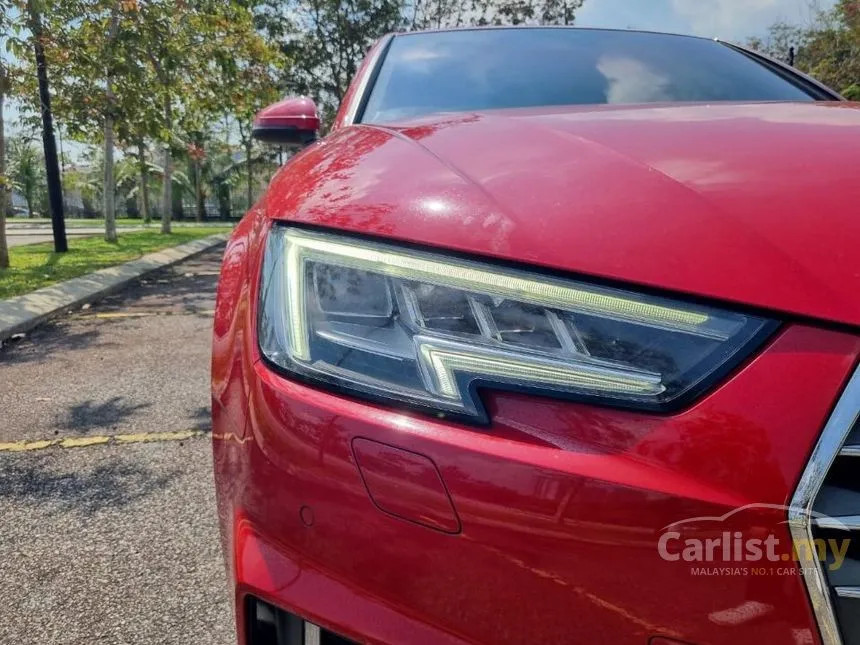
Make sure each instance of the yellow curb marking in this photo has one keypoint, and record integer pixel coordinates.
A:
(20, 446)
(83, 442)
(145, 437)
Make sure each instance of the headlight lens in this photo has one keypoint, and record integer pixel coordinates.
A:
(427, 330)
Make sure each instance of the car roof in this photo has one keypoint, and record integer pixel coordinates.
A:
(402, 34)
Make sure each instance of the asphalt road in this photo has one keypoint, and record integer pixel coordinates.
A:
(108, 531)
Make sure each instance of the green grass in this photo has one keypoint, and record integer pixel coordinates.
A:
(36, 265)
(120, 221)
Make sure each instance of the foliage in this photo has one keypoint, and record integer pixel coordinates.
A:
(27, 172)
(327, 40)
(36, 265)
(9, 27)
(241, 78)
(156, 74)
(176, 83)
(832, 50)
(781, 37)
(852, 92)
(828, 48)
(517, 12)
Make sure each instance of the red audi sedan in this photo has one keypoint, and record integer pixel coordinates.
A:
(552, 339)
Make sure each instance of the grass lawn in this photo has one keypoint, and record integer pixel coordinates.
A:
(120, 221)
(36, 265)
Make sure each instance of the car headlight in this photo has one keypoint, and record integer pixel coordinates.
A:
(428, 330)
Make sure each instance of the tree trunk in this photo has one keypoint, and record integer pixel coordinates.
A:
(109, 201)
(144, 181)
(222, 191)
(178, 206)
(28, 195)
(167, 195)
(250, 169)
(109, 190)
(49, 144)
(198, 190)
(4, 248)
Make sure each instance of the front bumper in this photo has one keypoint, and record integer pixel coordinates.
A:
(542, 528)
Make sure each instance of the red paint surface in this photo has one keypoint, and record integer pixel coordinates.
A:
(405, 484)
(735, 202)
(560, 504)
(561, 507)
(295, 112)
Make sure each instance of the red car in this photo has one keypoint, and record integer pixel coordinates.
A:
(553, 338)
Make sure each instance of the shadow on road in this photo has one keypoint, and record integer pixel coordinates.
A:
(202, 419)
(115, 484)
(168, 291)
(89, 415)
(44, 343)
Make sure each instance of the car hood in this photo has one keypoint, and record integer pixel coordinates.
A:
(750, 203)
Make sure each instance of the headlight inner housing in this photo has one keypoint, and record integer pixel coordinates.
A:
(427, 330)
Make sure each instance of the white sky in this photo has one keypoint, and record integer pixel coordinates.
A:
(734, 20)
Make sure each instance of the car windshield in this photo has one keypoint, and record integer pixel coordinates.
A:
(472, 70)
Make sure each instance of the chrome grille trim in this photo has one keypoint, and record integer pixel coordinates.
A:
(829, 445)
(848, 592)
(846, 523)
(312, 634)
(850, 451)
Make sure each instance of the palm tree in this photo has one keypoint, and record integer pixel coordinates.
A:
(225, 170)
(26, 170)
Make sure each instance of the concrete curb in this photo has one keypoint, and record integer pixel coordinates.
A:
(23, 313)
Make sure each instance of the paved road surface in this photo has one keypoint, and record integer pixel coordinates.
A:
(113, 542)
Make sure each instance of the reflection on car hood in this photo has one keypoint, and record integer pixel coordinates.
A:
(753, 203)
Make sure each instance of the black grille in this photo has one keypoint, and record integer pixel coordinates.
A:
(269, 625)
(836, 519)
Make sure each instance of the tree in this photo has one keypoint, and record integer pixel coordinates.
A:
(828, 48)
(852, 92)
(519, 12)
(104, 90)
(182, 42)
(4, 189)
(166, 38)
(6, 35)
(49, 144)
(327, 39)
(831, 52)
(242, 78)
(26, 171)
(110, 187)
(781, 38)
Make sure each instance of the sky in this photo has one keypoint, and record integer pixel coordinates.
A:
(734, 20)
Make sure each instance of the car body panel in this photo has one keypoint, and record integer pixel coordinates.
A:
(732, 202)
(559, 501)
(542, 527)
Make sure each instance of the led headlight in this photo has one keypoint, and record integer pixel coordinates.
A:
(427, 330)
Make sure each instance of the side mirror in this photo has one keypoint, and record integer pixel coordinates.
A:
(291, 121)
